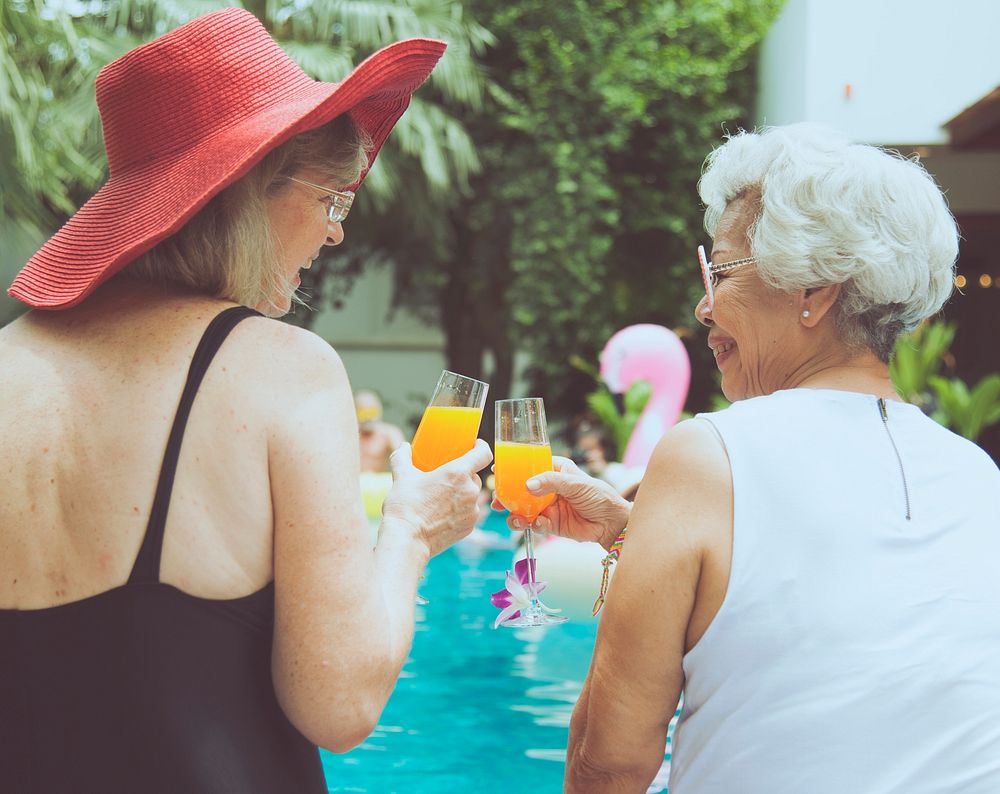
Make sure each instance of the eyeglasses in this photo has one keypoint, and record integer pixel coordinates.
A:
(340, 200)
(709, 272)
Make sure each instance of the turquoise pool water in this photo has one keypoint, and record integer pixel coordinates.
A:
(476, 709)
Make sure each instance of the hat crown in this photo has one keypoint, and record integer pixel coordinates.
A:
(169, 95)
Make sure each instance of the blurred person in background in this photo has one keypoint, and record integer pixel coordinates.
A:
(203, 631)
(814, 567)
(377, 439)
(594, 452)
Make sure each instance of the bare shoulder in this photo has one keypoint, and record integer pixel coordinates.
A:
(683, 518)
(690, 453)
(684, 506)
(657, 606)
(11, 329)
(293, 358)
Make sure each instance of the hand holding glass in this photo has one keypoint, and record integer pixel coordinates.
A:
(522, 451)
(450, 424)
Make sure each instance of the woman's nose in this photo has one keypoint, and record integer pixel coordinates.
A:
(334, 233)
(702, 313)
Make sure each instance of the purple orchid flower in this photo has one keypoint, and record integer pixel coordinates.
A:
(518, 593)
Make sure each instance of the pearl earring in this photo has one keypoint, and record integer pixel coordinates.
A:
(805, 313)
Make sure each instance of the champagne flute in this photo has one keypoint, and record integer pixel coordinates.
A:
(450, 424)
(522, 451)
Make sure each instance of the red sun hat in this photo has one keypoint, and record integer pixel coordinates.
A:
(188, 114)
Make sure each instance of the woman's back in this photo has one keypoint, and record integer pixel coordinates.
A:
(139, 684)
(844, 618)
(269, 625)
(86, 403)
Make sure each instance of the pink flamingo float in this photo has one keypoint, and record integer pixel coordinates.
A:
(654, 354)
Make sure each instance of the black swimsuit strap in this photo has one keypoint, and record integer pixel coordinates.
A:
(147, 563)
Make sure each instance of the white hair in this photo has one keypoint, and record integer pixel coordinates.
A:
(836, 212)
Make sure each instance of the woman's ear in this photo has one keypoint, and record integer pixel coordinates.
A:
(816, 302)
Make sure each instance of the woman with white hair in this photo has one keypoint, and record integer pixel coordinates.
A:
(814, 567)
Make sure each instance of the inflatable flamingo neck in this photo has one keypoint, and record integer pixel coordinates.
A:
(654, 354)
(648, 430)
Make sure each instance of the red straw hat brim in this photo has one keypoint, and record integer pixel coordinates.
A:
(139, 208)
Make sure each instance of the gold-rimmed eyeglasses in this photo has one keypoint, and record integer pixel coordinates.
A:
(710, 272)
(340, 200)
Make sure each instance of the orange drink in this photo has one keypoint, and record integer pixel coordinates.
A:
(445, 432)
(450, 423)
(514, 464)
(522, 451)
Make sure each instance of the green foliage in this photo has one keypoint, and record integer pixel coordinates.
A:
(584, 215)
(917, 358)
(915, 368)
(601, 115)
(620, 424)
(967, 412)
(46, 70)
(718, 402)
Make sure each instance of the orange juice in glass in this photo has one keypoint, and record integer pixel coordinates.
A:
(522, 451)
(516, 463)
(450, 423)
(445, 432)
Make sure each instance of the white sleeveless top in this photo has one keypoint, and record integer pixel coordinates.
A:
(856, 650)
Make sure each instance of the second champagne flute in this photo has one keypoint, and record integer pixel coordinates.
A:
(450, 424)
(522, 451)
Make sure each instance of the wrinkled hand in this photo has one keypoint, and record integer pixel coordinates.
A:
(585, 508)
(439, 506)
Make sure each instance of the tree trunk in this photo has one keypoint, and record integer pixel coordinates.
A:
(460, 315)
(259, 9)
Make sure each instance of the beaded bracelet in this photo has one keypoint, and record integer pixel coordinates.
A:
(612, 557)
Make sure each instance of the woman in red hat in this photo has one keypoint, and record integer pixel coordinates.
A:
(205, 630)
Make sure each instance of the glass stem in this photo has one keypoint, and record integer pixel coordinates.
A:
(530, 548)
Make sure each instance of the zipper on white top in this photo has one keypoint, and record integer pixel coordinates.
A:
(884, 412)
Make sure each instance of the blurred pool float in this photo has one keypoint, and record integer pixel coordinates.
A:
(375, 486)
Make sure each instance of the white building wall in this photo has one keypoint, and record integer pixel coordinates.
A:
(911, 65)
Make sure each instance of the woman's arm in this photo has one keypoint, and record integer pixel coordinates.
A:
(681, 519)
(343, 612)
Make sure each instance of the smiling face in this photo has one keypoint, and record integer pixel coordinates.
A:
(753, 328)
(300, 227)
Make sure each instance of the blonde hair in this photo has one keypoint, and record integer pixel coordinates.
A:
(227, 249)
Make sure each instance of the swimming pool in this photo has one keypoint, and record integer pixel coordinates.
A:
(476, 709)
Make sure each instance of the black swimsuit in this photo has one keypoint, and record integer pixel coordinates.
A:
(144, 688)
